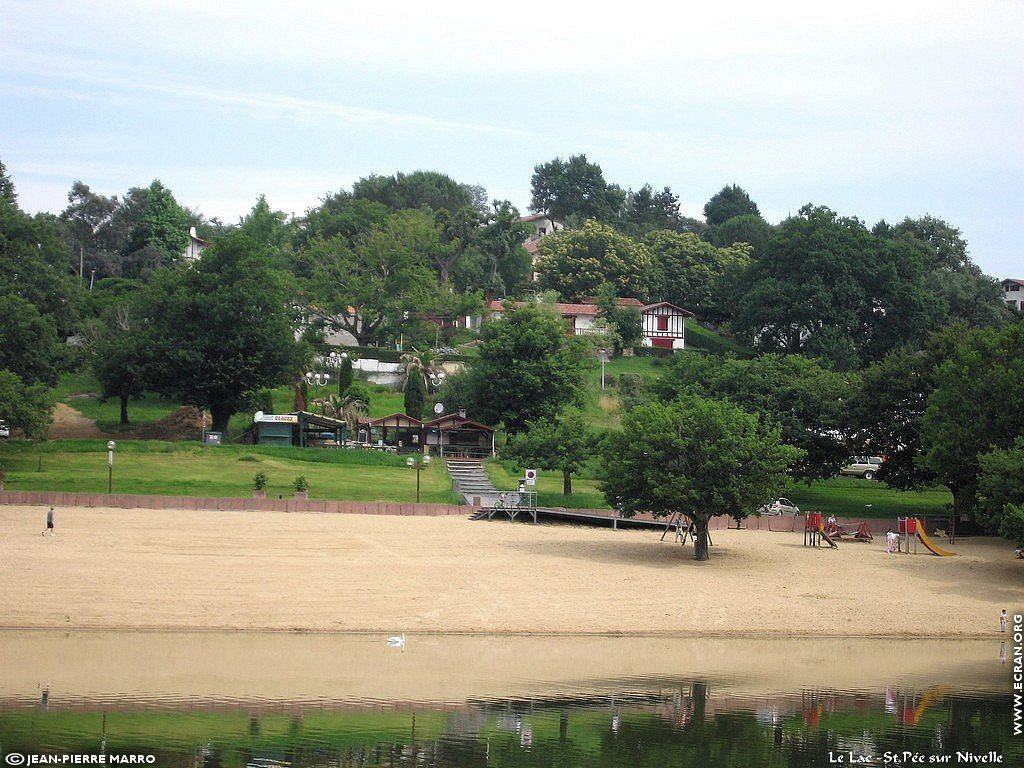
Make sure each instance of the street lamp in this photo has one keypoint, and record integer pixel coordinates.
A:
(603, 354)
(436, 379)
(419, 464)
(335, 361)
(110, 465)
(317, 379)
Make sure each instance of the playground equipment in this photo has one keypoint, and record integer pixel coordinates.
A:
(929, 543)
(814, 531)
(858, 532)
(683, 528)
(912, 526)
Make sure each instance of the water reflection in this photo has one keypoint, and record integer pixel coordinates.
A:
(638, 713)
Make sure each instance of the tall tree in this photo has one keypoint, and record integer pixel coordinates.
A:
(563, 444)
(222, 328)
(417, 190)
(975, 408)
(574, 188)
(28, 342)
(527, 369)
(28, 407)
(375, 283)
(577, 262)
(805, 400)
(747, 228)
(162, 234)
(646, 210)
(508, 264)
(696, 457)
(731, 200)
(694, 274)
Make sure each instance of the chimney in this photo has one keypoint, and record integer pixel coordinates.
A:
(192, 233)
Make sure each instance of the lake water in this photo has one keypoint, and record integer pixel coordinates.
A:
(263, 700)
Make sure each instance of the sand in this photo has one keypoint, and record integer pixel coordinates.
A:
(177, 570)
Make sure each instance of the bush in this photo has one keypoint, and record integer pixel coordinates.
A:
(300, 484)
(259, 481)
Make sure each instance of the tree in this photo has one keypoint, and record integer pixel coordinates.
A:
(415, 397)
(625, 323)
(527, 369)
(691, 273)
(162, 234)
(806, 401)
(376, 282)
(696, 457)
(974, 409)
(508, 264)
(564, 444)
(1001, 491)
(574, 188)
(746, 228)
(728, 202)
(121, 360)
(646, 210)
(88, 228)
(458, 231)
(340, 214)
(826, 276)
(577, 262)
(28, 342)
(265, 226)
(221, 328)
(417, 190)
(28, 407)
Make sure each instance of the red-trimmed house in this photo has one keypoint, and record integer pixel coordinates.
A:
(664, 325)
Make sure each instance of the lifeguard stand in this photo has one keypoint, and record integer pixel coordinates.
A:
(908, 532)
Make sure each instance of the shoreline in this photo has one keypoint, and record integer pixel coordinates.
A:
(136, 570)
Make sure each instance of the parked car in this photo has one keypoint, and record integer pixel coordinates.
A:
(5, 431)
(779, 507)
(863, 466)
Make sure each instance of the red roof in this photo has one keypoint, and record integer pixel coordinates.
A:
(681, 311)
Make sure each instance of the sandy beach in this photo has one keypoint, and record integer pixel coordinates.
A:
(178, 570)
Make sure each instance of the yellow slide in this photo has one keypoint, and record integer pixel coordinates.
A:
(927, 541)
(826, 537)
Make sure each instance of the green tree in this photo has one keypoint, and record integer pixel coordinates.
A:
(527, 369)
(507, 263)
(974, 409)
(415, 397)
(829, 287)
(25, 407)
(696, 457)
(624, 322)
(162, 234)
(563, 444)
(377, 282)
(121, 360)
(692, 273)
(90, 232)
(728, 202)
(342, 215)
(747, 228)
(574, 188)
(221, 328)
(266, 226)
(417, 190)
(646, 211)
(577, 262)
(28, 342)
(806, 401)
(1001, 491)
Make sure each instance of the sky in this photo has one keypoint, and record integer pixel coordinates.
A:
(879, 110)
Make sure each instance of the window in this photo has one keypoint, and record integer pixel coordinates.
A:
(1014, 287)
(662, 322)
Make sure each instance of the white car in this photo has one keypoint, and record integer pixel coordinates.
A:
(5, 431)
(863, 466)
(779, 507)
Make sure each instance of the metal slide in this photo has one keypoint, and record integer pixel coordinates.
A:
(927, 541)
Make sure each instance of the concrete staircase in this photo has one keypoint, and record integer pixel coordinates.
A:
(472, 482)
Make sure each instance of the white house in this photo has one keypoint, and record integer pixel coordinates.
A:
(195, 247)
(664, 325)
(542, 225)
(1013, 293)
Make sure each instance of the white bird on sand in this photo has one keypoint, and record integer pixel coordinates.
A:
(397, 642)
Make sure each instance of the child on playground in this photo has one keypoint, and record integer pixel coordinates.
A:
(892, 541)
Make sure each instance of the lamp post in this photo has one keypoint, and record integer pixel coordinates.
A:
(110, 465)
(418, 464)
(603, 354)
(335, 361)
(436, 380)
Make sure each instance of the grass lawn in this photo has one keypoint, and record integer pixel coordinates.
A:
(189, 469)
(854, 497)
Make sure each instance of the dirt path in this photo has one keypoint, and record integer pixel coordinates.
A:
(69, 424)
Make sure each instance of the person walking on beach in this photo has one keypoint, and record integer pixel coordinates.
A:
(1002, 621)
(49, 522)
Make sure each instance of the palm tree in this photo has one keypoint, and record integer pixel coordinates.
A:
(347, 408)
(424, 364)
